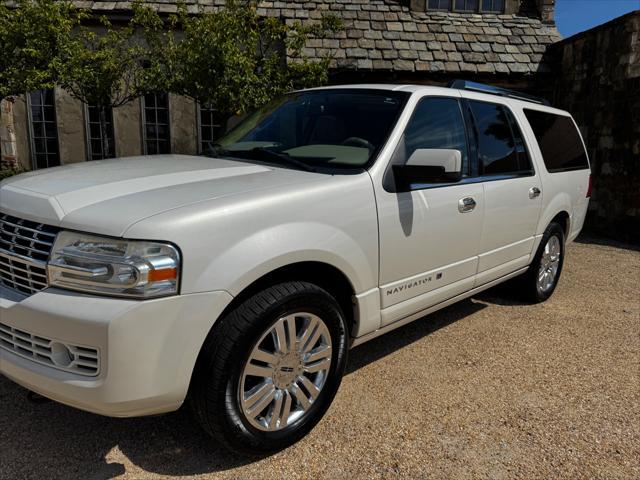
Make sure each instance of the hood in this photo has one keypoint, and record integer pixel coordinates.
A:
(107, 196)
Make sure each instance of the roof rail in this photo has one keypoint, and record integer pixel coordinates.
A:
(490, 89)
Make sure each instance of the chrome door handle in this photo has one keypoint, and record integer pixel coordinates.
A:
(466, 204)
(534, 192)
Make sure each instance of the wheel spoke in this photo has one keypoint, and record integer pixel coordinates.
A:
(291, 331)
(258, 371)
(280, 337)
(541, 274)
(309, 386)
(310, 327)
(286, 409)
(319, 353)
(262, 403)
(318, 366)
(286, 371)
(275, 411)
(301, 397)
(311, 342)
(264, 356)
(257, 395)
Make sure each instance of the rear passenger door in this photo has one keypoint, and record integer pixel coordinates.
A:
(512, 190)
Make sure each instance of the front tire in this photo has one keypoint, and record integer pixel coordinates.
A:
(541, 280)
(269, 370)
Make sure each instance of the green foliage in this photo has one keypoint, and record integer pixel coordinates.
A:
(32, 35)
(233, 58)
(103, 66)
(10, 172)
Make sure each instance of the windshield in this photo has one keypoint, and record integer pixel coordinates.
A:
(333, 128)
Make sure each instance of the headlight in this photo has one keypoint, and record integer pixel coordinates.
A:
(112, 266)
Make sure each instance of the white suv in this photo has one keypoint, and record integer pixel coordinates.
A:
(238, 283)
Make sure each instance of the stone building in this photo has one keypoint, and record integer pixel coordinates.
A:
(598, 81)
(502, 42)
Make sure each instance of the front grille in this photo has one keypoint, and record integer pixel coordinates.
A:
(70, 358)
(25, 247)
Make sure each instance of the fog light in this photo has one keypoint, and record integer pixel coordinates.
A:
(61, 355)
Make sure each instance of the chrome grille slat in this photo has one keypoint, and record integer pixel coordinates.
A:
(25, 247)
(27, 271)
(22, 227)
(85, 360)
(28, 249)
(23, 237)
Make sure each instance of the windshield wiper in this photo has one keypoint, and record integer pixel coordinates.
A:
(215, 149)
(283, 158)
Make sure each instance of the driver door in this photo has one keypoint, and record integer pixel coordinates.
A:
(430, 235)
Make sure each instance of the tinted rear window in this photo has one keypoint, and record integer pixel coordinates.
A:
(500, 146)
(559, 141)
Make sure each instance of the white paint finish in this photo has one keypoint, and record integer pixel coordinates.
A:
(423, 230)
(510, 220)
(562, 191)
(405, 289)
(39, 207)
(330, 220)
(422, 313)
(505, 254)
(367, 311)
(235, 222)
(502, 269)
(426, 300)
(108, 196)
(147, 353)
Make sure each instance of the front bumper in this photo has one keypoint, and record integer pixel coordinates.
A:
(147, 348)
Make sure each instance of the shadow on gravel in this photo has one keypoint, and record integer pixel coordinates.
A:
(50, 440)
(607, 242)
(395, 340)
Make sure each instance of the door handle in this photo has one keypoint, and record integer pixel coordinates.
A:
(466, 204)
(534, 192)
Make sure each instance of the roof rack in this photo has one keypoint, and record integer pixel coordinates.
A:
(490, 89)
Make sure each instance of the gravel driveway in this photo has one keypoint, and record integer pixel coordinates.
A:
(488, 388)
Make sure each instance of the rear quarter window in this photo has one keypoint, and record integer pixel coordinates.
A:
(559, 141)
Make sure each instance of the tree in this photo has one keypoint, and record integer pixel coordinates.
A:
(32, 35)
(103, 67)
(233, 59)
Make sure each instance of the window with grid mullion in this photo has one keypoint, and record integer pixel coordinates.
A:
(210, 129)
(494, 6)
(44, 135)
(97, 131)
(466, 5)
(439, 5)
(156, 128)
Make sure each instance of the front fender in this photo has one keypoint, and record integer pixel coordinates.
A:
(266, 250)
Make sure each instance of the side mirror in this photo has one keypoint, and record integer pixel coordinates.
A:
(429, 166)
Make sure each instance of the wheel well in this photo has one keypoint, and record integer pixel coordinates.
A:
(321, 274)
(563, 219)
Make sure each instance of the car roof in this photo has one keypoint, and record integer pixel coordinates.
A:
(438, 90)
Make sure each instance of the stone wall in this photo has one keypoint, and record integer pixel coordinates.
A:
(599, 83)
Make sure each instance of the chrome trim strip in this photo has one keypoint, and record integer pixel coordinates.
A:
(49, 234)
(22, 258)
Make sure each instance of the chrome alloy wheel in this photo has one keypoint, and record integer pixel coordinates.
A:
(549, 264)
(285, 372)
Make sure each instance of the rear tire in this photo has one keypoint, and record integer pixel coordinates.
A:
(257, 389)
(541, 280)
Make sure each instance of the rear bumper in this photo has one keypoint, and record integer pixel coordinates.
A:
(147, 349)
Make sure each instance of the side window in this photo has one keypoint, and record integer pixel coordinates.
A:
(559, 141)
(501, 148)
(436, 123)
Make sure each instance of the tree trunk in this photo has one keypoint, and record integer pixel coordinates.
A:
(8, 154)
(106, 147)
